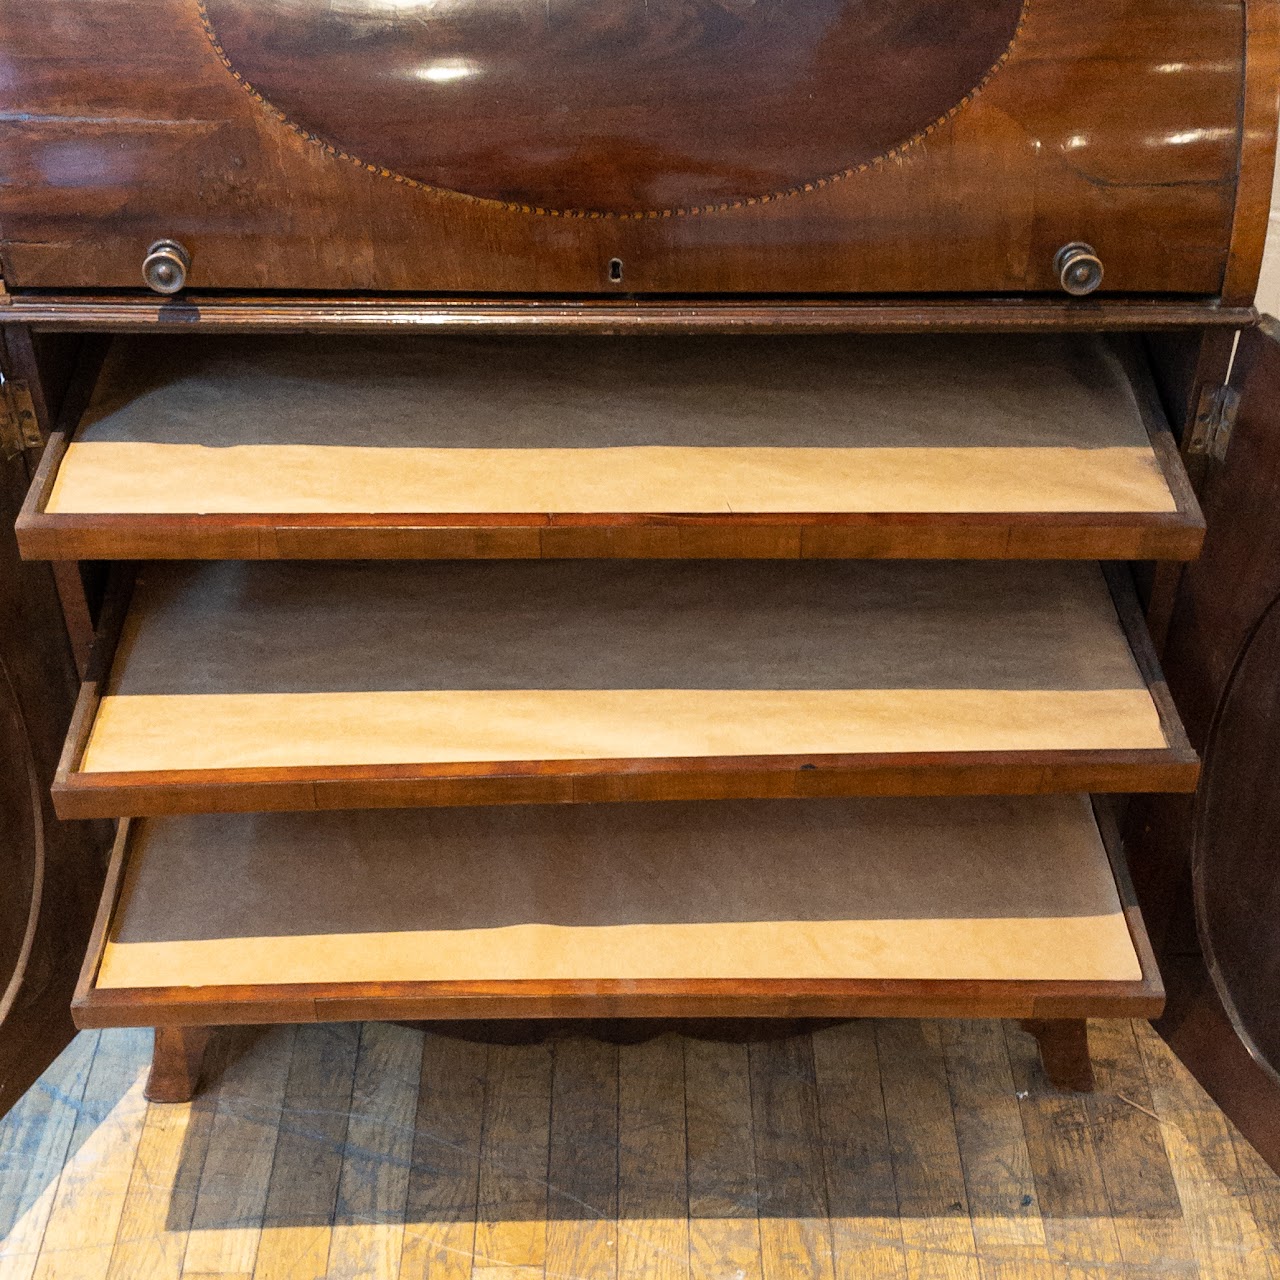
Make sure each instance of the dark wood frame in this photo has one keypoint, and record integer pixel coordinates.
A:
(670, 998)
(1173, 535)
(1175, 767)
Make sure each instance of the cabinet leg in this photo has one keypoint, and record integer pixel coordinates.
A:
(175, 1063)
(1064, 1051)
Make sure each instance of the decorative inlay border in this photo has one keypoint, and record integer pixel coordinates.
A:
(815, 184)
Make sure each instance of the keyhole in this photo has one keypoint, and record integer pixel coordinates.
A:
(615, 270)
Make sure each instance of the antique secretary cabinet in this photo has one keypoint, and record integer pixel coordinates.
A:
(606, 509)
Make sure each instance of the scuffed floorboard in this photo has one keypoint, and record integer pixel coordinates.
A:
(883, 1150)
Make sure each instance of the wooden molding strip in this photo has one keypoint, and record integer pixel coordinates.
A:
(649, 315)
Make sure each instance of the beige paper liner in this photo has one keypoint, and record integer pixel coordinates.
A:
(1094, 948)
(984, 888)
(228, 731)
(147, 478)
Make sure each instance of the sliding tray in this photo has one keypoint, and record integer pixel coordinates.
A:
(992, 906)
(907, 446)
(301, 685)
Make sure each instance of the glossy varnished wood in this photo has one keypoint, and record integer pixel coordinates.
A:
(1123, 130)
(1257, 151)
(622, 108)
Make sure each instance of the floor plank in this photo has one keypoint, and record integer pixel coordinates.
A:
(373, 1190)
(1141, 1192)
(724, 1228)
(870, 1150)
(932, 1201)
(582, 1167)
(231, 1201)
(35, 1143)
(866, 1235)
(1227, 1242)
(1008, 1230)
(795, 1237)
(511, 1213)
(1069, 1184)
(303, 1190)
(152, 1241)
(440, 1211)
(84, 1220)
(653, 1179)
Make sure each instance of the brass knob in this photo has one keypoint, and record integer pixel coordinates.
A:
(165, 267)
(1079, 268)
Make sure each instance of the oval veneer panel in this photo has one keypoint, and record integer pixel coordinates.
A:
(614, 106)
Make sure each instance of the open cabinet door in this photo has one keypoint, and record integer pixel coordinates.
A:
(51, 872)
(1222, 847)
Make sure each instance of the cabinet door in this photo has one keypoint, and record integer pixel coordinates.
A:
(51, 872)
(1223, 668)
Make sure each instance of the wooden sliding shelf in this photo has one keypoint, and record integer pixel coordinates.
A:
(1018, 446)
(242, 686)
(833, 606)
(997, 906)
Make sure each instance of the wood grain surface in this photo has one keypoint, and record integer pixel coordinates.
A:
(860, 1149)
(1124, 130)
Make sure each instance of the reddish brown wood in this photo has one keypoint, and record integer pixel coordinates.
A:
(356, 313)
(84, 795)
(176, 1060)
(817, 535)
(616, 109)
(1064, 1051)
(1257, 151)
(118, 139)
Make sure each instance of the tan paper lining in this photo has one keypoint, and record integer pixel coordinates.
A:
(147, 478)
(1081, 949)
(979, 888)
(229, 731)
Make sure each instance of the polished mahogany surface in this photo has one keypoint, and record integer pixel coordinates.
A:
(710, 146)
(615, 106)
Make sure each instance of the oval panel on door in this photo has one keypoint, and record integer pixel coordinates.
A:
(1236, 854)
(625, 107)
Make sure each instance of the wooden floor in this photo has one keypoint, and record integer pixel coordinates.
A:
(871, 1149)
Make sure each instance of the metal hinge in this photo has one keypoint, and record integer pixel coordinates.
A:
(19, 427)
(1215, 420)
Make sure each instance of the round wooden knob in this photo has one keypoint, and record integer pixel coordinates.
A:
(165, 267)
(1079, 268)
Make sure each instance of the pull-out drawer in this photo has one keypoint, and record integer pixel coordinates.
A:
(990, 906)
(304, 447)
(301, 685)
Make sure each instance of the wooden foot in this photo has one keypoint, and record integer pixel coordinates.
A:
(1064, 1051)
(175, 1063)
